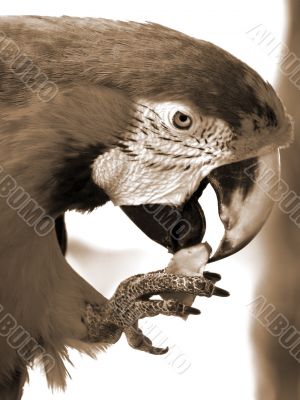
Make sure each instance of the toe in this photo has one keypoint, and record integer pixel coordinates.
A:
(212, 276)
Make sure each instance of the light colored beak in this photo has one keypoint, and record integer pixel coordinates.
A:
(245, 197)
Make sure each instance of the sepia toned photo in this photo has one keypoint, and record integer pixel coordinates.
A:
(150, 200)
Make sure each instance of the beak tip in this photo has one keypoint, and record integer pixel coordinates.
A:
(228, 248)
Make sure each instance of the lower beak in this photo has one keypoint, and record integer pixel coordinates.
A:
(244, 192)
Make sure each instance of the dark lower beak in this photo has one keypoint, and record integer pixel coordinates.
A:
(172, 227)
(244, 191)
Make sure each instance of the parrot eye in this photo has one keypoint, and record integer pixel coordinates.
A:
(181, 120)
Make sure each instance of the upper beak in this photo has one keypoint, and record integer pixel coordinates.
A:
(244, 192)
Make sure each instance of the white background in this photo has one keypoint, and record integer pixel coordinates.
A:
(105, 247)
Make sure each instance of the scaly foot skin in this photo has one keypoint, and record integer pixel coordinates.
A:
(132, 302)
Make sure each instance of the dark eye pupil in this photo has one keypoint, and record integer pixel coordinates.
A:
(181, 120)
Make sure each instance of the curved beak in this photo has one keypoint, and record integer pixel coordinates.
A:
(244, 192)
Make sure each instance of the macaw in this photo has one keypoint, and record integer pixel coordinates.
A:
(95, 110)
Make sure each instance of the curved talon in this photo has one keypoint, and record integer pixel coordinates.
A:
(220, 292)
(179, 309)
(137, 340)
(190, 310)
(159, 351)
(212, 276)
(146, 345)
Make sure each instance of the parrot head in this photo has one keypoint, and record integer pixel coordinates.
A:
(199, 116)
(166, 115)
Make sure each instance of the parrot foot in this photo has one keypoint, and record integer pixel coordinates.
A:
(131, 302)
